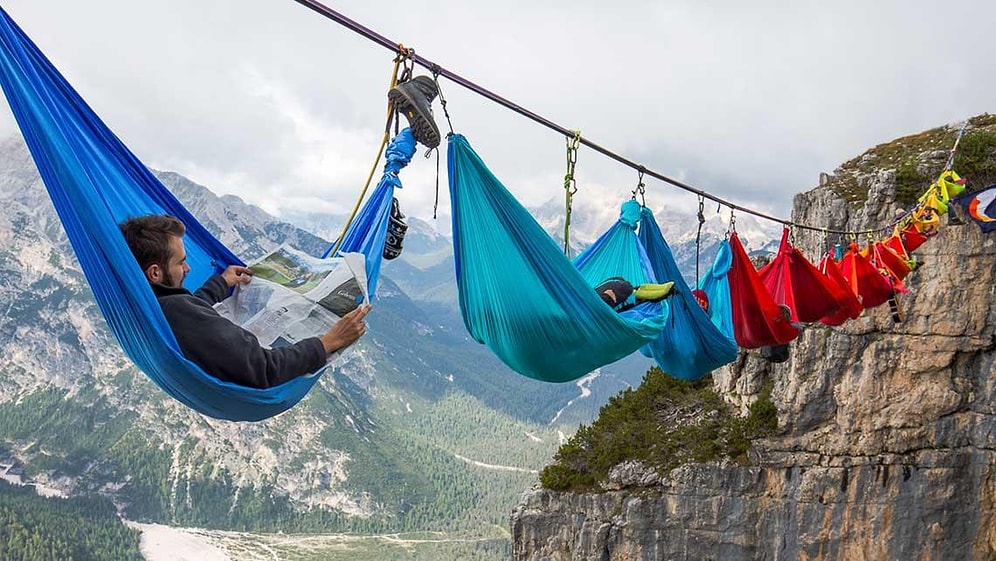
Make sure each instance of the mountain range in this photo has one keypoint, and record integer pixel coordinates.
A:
(420, 428)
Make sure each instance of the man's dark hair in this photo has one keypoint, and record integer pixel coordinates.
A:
(149, 236)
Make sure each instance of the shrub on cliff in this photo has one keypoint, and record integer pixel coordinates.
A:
(664, 423)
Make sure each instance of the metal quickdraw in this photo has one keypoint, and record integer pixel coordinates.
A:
(570, 185)
(698, 236)
(641, 188)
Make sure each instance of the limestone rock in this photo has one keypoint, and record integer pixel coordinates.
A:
(887, 433)
(631, 474)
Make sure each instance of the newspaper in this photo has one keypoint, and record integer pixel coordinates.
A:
(294, 296)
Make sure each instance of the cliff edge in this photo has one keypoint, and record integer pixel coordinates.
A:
(886, 431)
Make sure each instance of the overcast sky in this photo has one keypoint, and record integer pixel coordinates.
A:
(270, 101)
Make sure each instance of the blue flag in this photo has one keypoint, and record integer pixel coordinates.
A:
(981, 207)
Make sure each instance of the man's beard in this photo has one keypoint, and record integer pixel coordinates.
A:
(168, 279)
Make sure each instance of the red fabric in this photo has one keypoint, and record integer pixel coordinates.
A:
(895, 243)
(850, 307)
(795, 282)
(757, 318)
(912, 238)
(885, 258)
(872, 287)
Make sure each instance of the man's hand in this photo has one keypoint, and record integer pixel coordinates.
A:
(235, 274)
(346, 331)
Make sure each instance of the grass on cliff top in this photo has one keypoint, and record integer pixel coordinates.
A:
(975, 160)
(664, 423)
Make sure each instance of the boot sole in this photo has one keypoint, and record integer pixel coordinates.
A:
(423, 126)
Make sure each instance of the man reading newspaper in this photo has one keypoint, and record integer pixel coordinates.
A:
(233, 353)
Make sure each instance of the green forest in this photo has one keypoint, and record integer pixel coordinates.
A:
(407, 460)
(33, 528)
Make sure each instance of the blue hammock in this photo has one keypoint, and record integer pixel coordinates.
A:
(518, 293)
(691, 345)
(95, 182)
(716, 285)
(618, 253)
(368, 231)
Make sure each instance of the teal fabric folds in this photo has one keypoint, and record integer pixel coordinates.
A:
(519, 294)
(618, 252)
(716, 284)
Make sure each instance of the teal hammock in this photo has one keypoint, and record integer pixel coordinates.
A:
(95, 182)
(519, 294)
(618, 252)
(716, 284)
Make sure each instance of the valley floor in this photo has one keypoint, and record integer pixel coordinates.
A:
(165, 543)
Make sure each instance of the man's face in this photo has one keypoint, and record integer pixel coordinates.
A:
(175, 269)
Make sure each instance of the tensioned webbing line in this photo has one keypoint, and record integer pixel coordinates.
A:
(440, 71)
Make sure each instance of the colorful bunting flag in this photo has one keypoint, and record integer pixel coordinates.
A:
(981, 207)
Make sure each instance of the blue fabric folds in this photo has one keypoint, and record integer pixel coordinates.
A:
(95, 182)
(691, 345)
(368, 230)
(619, 253)
(518, 293)
(716, 284)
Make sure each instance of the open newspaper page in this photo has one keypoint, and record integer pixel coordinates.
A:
(293, 295)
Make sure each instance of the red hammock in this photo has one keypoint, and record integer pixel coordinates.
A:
(872, 287)
(758, 320)
(795, 282)
(895, 243)
(910, 238)
(897, 267)
(850, 307)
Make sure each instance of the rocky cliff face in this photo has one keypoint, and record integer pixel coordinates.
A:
(886, 432)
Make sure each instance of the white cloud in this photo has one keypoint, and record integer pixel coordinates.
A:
(272, 102)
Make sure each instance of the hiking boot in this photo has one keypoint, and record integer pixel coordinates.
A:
(396, 229)
(413, 99)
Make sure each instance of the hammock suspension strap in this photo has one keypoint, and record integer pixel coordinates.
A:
(698, 236)
(403, 56)
(442, 101)
(954, 149)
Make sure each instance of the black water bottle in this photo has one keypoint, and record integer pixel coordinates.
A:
(396, 229)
